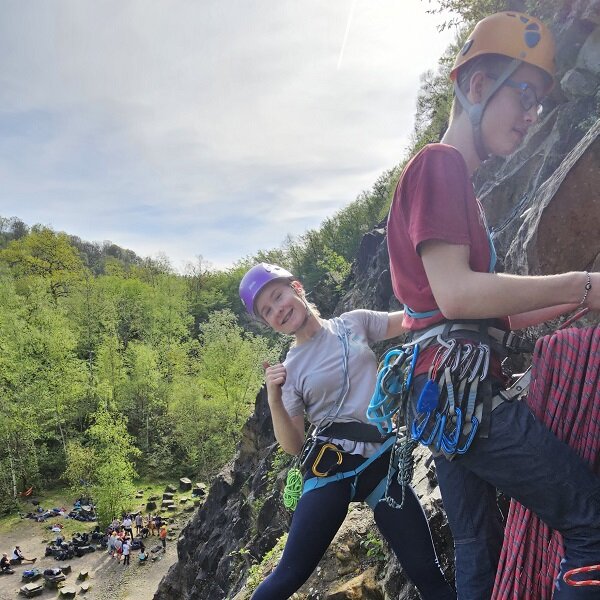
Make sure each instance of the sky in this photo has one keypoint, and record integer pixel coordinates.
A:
(204, 127)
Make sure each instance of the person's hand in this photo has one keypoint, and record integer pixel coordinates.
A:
(275, 376)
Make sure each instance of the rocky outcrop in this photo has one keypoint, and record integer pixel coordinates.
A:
(240, 521)
(560, 229)
(543, 204)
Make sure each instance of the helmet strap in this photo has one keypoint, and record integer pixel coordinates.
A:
(475, 111)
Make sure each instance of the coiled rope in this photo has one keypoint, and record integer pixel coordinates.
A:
(293, 489)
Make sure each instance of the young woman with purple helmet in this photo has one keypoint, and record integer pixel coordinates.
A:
(328, 376)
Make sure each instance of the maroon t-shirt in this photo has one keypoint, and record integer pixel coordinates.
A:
(434, 200)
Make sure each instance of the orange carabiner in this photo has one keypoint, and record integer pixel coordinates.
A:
(315, 464)
(569, 574)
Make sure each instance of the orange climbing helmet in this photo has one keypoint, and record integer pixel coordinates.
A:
(513, 34)
(519, 37)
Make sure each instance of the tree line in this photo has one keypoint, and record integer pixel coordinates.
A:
(102, 375)
(113, 366)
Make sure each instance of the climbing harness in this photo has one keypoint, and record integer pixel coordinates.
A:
(449, 415)
(568, 576)
(319, 458)
(321, 481)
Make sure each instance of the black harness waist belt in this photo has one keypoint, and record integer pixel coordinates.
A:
(355, 431)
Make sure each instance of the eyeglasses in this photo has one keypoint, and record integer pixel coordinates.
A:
(527, 96)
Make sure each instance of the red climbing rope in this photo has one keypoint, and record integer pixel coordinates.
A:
(565, 395)
(569, 576)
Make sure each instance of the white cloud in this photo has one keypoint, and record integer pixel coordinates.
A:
(164, 125)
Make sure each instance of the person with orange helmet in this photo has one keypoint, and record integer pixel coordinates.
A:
(442, 260)
(498, 46)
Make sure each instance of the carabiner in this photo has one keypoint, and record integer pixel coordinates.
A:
(401, 353)
(450, 441)
(440, 424)
(481, 363)
(466, 360)
(569, 574)
(324, 447)
(470, 437)
(392, 382)
(418, 429)
(442, 356)
(486, 362)
(411, 369)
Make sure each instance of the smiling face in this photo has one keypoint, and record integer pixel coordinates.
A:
(281, 307)
(505, 122)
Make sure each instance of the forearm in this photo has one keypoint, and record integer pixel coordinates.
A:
(394, 326)
(286, 433)
(535, 317)
(461, 293)
(488, 295)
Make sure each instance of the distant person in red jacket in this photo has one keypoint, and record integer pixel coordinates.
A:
(162, 534)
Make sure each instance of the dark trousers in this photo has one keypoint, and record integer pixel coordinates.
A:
(321, 512)
(126, 559)
(523, 459)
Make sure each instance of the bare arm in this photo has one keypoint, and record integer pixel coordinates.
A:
(535, 317)
(463, 293)
(394, 326)
(289, 431)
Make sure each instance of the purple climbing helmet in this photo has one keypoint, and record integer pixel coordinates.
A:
(256, 279)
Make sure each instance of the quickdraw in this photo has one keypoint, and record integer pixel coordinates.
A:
(385, 410)
(568, 576)
(445, 419)
(393, 383)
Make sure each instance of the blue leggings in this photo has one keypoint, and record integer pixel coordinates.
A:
(321, 512)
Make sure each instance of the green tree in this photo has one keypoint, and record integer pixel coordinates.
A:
(19, 427)
(48, 255)
(141, 400)
(113, 472)
(209, 409)
(111, 374)
(472, 11)
(199, 428)
(79, 472)
(231, 364)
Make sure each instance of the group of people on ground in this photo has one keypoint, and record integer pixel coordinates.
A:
(120, 536)
(17, 558)
(442, 268)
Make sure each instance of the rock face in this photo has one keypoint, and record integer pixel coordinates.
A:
(543, 204)
(241, 518)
